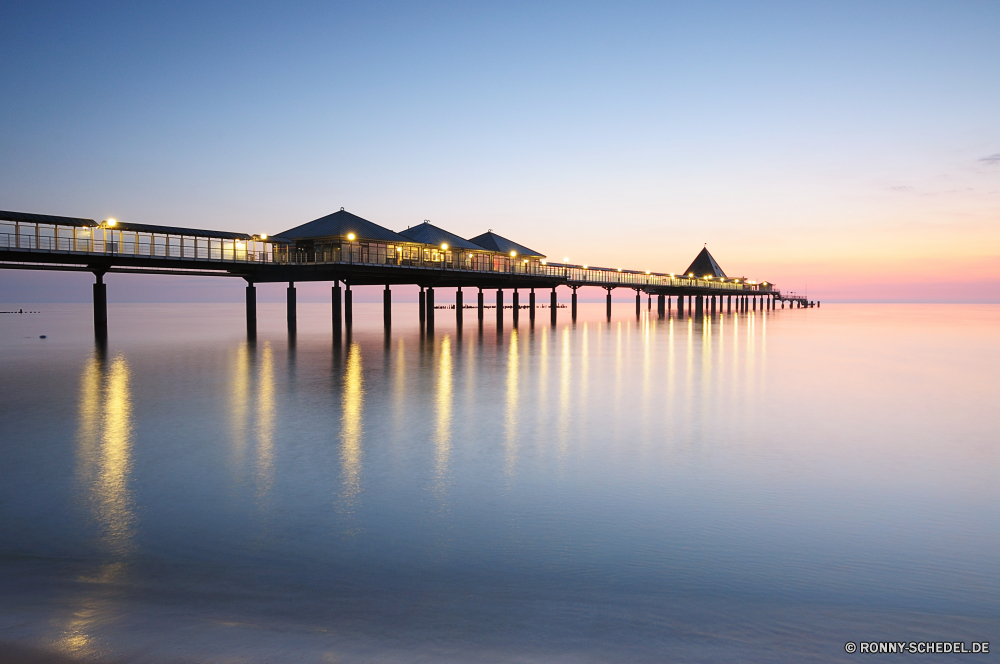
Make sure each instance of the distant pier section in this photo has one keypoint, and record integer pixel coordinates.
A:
(348, 250)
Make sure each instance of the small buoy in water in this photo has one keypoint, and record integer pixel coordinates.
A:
(42, 337)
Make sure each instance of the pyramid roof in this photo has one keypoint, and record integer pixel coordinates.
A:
(428, 233)
(338, 225)
(704, 265)
(493, 242)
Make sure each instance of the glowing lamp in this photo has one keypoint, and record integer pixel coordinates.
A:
(111, 222)
(445, 246)
(263, 236)
(513, 254)
(351, 236)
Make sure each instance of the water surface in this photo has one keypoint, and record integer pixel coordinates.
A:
(761, 487)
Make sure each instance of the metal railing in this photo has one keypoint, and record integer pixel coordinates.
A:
(152, 246)
(112, 242)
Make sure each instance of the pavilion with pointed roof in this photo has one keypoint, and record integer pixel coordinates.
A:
(428, 233)
(501, 245)
(704, 265)
(342, 224)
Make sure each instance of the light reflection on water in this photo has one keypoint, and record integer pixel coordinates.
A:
(105, 442)
(599, 488)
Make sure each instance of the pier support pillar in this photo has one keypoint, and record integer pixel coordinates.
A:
(517, 305)
(609, 304)
(348, 308)
(661, 307)
(430, 308)
(335, 301)
(638, 303)
(290, 305)
(573, 305)
(387, 307)
(680, 306)
(729, 304)
(713, 305)
(459, 307)
(422, 306)
(667, 305)
(649, 301)
(552, 305)
(251, 310)
(754, 303)
(531, 306)
(699, 306)
(480, 306)
(101, 307)
(499, 310)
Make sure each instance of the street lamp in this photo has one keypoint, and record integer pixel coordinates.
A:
(351, 236)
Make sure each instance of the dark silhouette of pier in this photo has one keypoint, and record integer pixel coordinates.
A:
(348, 250)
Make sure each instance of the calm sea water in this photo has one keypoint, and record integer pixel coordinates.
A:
(745, 488)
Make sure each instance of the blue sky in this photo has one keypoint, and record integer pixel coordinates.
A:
(804, 142)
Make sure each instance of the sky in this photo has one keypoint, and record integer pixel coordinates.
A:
(847, 148)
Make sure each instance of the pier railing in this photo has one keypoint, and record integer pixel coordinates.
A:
(105, 242)
(573, 275)
(75, 240)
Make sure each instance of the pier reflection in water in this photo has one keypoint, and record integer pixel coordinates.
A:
(601, 488)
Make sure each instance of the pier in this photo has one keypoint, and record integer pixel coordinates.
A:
(347, 250)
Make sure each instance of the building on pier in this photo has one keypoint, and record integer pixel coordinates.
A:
(343, 237)
(346, 237)
(704, 266)
(446, 247)
(110, 238)
(509, 256)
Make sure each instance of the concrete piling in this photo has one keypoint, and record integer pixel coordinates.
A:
(336, 315)
(430, 309)
(387, 307)
(348, 308)
(251, 311)
(100, 307)
(290, 313)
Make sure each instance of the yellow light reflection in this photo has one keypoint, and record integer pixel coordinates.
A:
(116, 458)
(265, 422)
(105, 451)
(442, 431)
(239, 401)
(352, 407)
(511, 446)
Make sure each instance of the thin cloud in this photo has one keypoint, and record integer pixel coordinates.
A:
(901, 188)
(992, 159)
